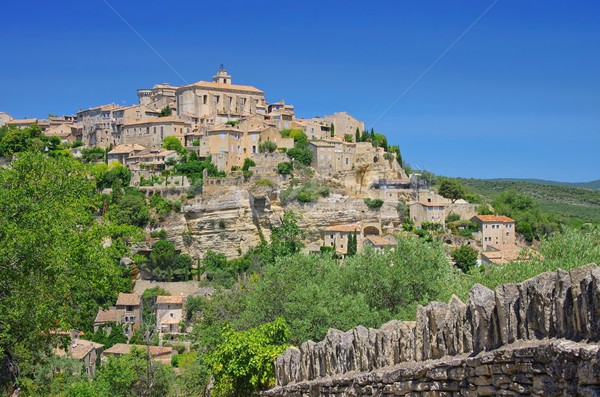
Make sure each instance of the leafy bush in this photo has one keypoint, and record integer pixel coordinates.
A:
(76, 144)
(465, 257)
(309, 191)
(302, 155)
(264, 182)
(161, 234)
(373, 203)
(452, 217)
(285, 168)
(267, 147)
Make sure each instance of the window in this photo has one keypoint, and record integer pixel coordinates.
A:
(222, 135)
(171, 315)
(129, 308)
(204, 99)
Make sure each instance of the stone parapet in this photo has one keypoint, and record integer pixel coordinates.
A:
(553, 305)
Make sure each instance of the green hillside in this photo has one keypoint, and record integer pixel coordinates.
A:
(595, 185)
(574, 205)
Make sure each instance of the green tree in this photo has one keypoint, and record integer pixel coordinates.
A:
(352, 244)
(303, 155)
(165, 112)
(162, 258)
(286, 239)
(129, 208)
(332, 130)
(243, 363)
(172, 143)
(465, 257)
(93, 155)
(56, 269)
(452, 189)
(267, 147)
(357, 135)
(348, 138)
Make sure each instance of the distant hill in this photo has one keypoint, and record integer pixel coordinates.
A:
(595, 185)
(572, 202)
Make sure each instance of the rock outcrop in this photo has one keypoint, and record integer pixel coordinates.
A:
(551, 306)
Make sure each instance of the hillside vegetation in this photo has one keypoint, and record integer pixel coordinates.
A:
(573, 205)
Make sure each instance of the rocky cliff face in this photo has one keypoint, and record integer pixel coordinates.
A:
(561, 304)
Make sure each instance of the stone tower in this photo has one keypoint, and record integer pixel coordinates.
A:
(222, 76)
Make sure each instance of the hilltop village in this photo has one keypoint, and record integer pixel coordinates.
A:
(224, 170)
(254, 146)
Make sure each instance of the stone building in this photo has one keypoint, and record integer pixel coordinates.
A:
(66, 132)
(127, 311)
(161, 354)
(151, 133)
(169, 313)
(219, 101)
(151, 159)
(158, 97)
(381, 243)
(421, 212)
(86, 351)
(96, 126)
(5, 118)
(495, 230)
(337, 237)
(344, 124)
(332, 155)
(122, 152)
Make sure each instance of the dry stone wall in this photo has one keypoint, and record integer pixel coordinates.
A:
(545, 327)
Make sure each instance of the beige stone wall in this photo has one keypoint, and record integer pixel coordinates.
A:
(168, 312)
(496, 233)
(152, 134)
(344, 124)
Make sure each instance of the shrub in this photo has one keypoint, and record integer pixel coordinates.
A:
(285, 168)
(465, 257)
(76, 144)
(267, 147)
(196, 142)
(373, 203)
(265, 182)
(452, 217)
(161, 234)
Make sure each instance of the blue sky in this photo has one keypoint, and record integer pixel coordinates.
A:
(517, 96)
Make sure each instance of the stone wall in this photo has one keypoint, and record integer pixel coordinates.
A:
(559, 306)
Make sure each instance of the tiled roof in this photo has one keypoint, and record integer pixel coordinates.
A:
(153, 153)
(494, 218)
(124, 348)
(107, 316)
(126, 148)
(128, 299)
(80, 348)
(159, 120)
(382, 240)
(432, 204)
(341, 228)
(170, 321)
(22, 121)
(173, 299)
(221, 86)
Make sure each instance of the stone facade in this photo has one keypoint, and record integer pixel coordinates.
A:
(344, 124)
(169, 313)
(151, 133)
(427, 212)
(520, 339)
(495, 230)
(219, 101)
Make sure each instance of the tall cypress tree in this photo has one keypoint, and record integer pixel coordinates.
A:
(357, 135)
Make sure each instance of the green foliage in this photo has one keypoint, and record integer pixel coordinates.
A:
(196, 142)
(165, 112)
(242, 363)
(149, 303)
(107, 335)
(172, 143)
(352, 244)
(14, 140)
(452, 189)
(357, 135)
(113, 176)
(348, 138)
(396, 150)
(93, 155)
(267, 147)
(452, 217)
(286, 239)
(308, 192)
(130, 208)
(373, 203)
(379, 140)
(332, 130)
(432, 226)
(232, 123)
(162, 206)
(166, 264)
(303, 155)
(465, 257)
(248, 162)
(161, 234)
(285, 168)
(50, 250)
(193, 305)
(264, 182)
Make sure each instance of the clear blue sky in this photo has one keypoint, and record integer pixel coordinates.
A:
(517, 96)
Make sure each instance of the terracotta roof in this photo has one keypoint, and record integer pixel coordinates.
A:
(170, 321)
(221, 86)
(107, 316)
(173, 299)
(153, 153)
(124, 348)
(341, 228)
(494, 218)
(382, 240)
(128, 299)
(110, 106)
(22, 121)
(159, 120)
(80, 348)
(126, 148)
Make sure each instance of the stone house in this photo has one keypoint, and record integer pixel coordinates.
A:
(151, 133)
(332, 155)
(151, 159)
(5, 118)
(344, 123)
(83, 350)
(337, 237)
(427, 212)
(219, 100)
(122, 152)
(67, 132)
(169, 313)
(495, 230)
(158, 97)
(127, 311)
(381, 243)
(161, 354)
(96, 126)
